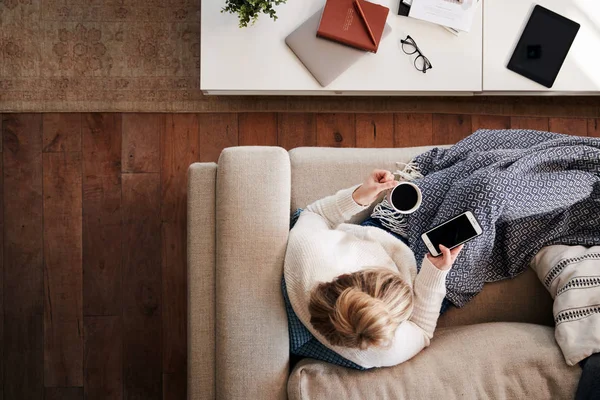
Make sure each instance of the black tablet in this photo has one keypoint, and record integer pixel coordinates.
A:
(543, 46)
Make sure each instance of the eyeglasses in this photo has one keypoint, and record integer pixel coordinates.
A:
(409, 46)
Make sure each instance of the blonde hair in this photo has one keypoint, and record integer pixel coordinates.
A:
(361, 309)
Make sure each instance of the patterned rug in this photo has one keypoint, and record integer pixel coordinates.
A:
(144, 55)
(99, 54)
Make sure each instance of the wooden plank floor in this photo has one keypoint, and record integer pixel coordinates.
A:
(93, 234)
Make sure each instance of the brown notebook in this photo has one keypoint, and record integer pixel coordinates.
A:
(342, 23)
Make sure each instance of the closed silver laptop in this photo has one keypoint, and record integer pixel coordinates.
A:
(324, 59)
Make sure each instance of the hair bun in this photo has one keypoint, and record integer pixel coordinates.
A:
(363, 319)
(361, 309)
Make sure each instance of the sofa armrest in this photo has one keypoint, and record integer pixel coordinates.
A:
(201, 281)
(253, 209)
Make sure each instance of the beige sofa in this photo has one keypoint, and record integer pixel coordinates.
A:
(500, 346)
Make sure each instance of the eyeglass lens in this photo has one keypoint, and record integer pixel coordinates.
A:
(422, 63)
(409, 46)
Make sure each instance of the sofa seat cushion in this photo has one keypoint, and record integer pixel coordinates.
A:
(484, 361)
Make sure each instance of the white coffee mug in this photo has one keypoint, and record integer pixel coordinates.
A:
(409, 202)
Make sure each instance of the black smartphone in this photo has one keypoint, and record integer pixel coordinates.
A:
(452, 233)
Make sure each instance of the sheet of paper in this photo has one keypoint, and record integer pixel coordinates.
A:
(457, 14)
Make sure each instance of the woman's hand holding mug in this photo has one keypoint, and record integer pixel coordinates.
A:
(378, 181)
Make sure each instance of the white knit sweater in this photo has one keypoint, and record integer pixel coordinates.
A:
(321, 247)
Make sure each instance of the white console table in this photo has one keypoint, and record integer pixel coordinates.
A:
(256, 60)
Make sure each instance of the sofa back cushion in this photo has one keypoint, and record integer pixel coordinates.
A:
(483, 361)
(320, 172)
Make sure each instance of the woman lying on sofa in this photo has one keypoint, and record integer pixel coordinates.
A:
(355, 291)
(356, 287)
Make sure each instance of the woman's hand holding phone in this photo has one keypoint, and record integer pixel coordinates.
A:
(378, 181)
(448, 257)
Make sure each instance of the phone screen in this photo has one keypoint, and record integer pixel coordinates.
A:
(453, 233)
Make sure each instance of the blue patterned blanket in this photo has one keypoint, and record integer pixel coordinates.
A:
(528, 189)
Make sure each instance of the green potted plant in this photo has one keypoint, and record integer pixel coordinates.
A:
(249, 10)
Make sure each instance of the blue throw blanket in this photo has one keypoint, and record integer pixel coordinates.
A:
(528, 189)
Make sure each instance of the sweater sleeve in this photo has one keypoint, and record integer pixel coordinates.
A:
(338, 208)
(429, 292)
